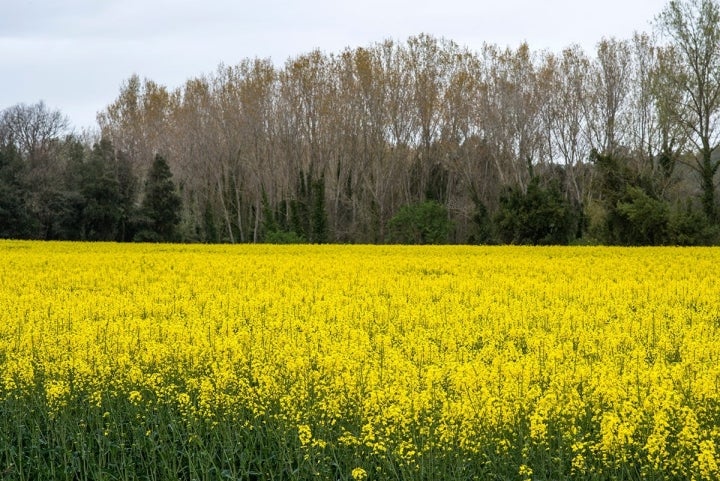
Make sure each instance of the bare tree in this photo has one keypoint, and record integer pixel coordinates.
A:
(693, 28)
(565, 115)
(428, 62)
(468, 182)
(510, 113)
(610, 87)
(137, 121)
(34, 129)
(378, 132)
(643, 117)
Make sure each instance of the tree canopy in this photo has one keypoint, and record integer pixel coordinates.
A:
(374, 144)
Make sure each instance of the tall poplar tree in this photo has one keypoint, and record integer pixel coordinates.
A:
(693, 26)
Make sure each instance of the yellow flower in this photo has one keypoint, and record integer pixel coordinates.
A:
(304, 434)
(359, 474)
(707, 460)
(525, 471)
(135, 397)
(402, 352)
(56, 394)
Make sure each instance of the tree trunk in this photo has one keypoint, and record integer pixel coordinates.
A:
(226, 214)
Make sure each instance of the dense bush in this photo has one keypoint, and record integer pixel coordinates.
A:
(423, 223)
(539, 216)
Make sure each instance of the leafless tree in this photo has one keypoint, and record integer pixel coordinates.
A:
(693, 27)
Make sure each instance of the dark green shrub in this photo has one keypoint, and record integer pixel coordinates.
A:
(423, 223)
(538, 216)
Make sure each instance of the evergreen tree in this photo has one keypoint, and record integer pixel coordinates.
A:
(95, 204)
(210, 232)
(299, 207)
(56, 198)
(483, 225)
(128, 191)
(160, 210)
(319, 215)
(14, 219)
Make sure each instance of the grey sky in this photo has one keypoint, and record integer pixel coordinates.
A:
(74, 54)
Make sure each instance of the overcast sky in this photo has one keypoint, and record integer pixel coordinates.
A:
(75, 54)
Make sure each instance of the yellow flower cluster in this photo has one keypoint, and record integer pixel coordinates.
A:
(609, 357)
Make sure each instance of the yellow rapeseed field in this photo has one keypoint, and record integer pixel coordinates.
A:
(358, 362)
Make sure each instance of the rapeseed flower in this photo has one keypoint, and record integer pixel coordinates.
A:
(401, 357)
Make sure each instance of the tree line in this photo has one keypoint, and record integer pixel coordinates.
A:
(422, 141)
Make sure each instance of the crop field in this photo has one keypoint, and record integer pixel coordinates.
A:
(169, 362)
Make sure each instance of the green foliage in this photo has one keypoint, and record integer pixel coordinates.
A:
(308, 217)
(160, 210)
(51, 194)
(209, 229)
(299, 215)
(483, 225)
(630, 212)
(101, 192)
(283, 237)
(275, 231)
(437, 185)
(641, 219)
(84, 194)
(538, 216)
(128, 190)
(423, 223)
(14, 217)
(319, 216)
(687, 226)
